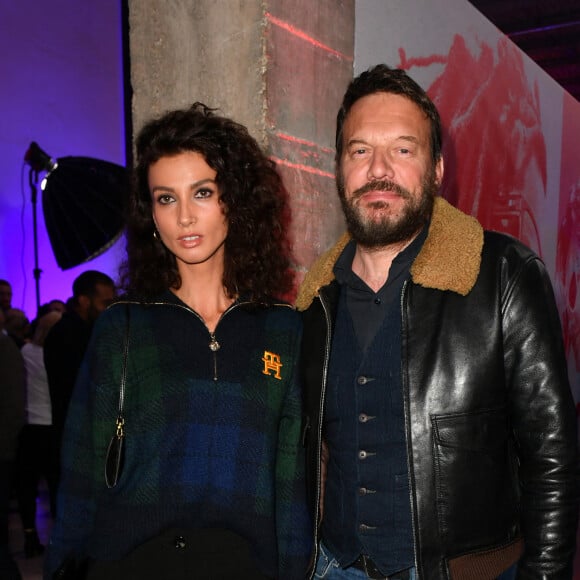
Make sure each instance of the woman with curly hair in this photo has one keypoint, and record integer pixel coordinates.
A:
(182, 454)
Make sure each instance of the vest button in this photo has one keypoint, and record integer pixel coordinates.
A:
(179, 542)
(365, 491)
(362, 380)
(363, 418)
(362, 454)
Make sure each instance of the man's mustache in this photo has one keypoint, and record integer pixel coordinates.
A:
(381, 185)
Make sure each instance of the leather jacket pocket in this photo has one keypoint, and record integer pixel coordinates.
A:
(475, 477)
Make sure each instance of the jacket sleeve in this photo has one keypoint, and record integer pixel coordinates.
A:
(544, 423)
(89, 425)
(294, 529)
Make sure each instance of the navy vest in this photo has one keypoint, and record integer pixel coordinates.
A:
(367, 500)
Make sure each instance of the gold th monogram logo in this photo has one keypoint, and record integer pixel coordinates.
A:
(272, 364)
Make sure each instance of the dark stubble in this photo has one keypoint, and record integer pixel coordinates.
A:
(385, 229)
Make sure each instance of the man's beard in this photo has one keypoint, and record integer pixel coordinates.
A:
(388, 229)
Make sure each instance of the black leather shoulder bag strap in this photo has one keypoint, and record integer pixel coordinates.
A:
(115, 451)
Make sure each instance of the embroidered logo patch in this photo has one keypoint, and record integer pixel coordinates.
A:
(272, 365)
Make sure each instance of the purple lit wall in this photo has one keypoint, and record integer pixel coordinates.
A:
(61, 68)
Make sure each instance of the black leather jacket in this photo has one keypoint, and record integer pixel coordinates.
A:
(490, 421)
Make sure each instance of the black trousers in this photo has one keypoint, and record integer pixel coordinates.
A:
(36, 459)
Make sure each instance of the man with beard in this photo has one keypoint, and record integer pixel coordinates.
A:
(440, 426)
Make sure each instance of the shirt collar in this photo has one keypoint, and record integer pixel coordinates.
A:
(403, 260)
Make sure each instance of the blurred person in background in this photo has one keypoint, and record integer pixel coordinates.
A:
(35, 453)
(17, 326)
(5, 295)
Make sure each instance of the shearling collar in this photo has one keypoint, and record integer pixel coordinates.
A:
(449, 259)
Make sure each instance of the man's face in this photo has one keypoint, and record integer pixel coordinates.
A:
(5, 296)
(103, 297)
(386, 177)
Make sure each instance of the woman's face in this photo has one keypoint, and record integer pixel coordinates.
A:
(187, 210)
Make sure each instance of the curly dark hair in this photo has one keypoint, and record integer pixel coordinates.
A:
(257, 250)
(384, 79)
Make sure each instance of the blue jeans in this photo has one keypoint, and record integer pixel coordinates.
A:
(328, 567)
(509, 574)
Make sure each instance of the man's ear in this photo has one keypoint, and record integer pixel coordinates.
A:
(439, 170)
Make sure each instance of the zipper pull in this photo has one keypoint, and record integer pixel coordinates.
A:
(214, 345)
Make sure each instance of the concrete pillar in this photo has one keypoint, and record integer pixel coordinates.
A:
(183, 51)
(280, 67)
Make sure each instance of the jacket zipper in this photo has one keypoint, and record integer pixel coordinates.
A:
(321, 414)
(213, 344)
(405, 387)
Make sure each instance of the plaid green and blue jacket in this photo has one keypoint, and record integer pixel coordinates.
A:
(212, 437)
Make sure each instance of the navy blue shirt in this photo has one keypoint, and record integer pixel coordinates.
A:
(367, 307)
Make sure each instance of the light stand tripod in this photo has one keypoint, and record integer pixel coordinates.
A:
(38, 161)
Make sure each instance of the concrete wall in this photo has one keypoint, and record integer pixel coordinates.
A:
(310, 56)
(211, 51)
